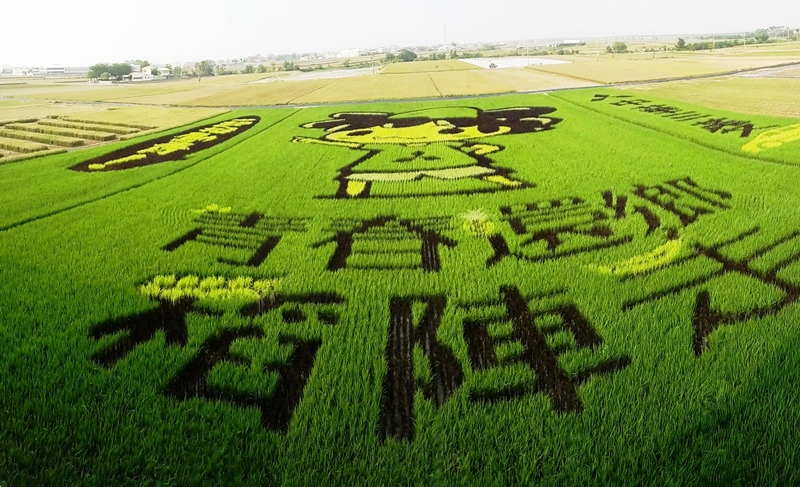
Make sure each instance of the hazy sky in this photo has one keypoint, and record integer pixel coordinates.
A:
(85, 32)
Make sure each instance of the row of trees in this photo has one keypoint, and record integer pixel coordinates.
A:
(407, 55)
(210, 68)
(404, 56)
(618, 48)
(117, 71)
(760, 37)
(106, 71)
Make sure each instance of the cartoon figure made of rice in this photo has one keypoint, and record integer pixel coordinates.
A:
(437, 145)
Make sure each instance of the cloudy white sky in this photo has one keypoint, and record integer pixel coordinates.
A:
(84, 32)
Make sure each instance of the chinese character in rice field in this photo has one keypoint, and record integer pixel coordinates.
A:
(259, 304)
(192, 381)
(408, 330)
(252, 236)
(388, 243)
(684, 198)
(708, 122)
(560, 228)
(555, 229)
(764, 271)
(533, 332)
(501, 336)
(398, 153)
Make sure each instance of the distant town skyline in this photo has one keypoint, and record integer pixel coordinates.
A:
(86, 32)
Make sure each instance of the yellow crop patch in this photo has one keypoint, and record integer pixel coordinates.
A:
(354, 188)
(639, 264)
(503, 181)
(772, 139)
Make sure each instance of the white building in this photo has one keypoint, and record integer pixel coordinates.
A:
(347, 53)
(146, 74)
(76, 71)
(53, 70)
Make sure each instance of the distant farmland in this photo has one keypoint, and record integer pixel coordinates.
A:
(401, 81)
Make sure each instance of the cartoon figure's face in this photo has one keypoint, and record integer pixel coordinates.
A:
(425, 133)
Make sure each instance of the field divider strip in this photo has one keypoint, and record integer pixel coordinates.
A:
(136, 186)
(687, 138)
(434, 86)
(311, 92)
(568, 76)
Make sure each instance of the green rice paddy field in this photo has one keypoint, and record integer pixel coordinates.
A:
(593, 286)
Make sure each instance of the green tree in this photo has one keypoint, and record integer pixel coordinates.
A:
(155, 71)
(261, 68)
(176, 71)
(407, 55)
(205, 68)
(681, 44)
(620, 47)
(248, 69)
(118, 70)
(762, 36)
(453, 54)
(346, 63)
(97, 70)
(390, 57)
(289, 66)
(609, 50)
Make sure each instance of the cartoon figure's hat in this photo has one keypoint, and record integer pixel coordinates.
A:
(519, 119)
(439, 113)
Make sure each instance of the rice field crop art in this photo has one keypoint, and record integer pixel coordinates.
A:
(437, 144)
(529, 289)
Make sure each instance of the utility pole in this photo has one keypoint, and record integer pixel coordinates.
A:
(450, 62)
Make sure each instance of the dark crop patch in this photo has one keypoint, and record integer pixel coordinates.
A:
(152, 158)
